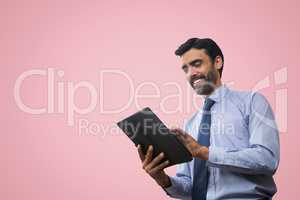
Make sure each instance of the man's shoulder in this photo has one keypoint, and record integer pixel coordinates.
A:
(245, 96)
(247, 99)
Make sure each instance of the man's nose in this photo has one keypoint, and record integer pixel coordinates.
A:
(193, 70)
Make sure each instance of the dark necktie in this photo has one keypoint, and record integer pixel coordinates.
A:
(200, 180)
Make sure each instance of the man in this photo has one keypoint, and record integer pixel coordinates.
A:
(233, 139)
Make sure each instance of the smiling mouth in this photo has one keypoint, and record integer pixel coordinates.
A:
(198, 82)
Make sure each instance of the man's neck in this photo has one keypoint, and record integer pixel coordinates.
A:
(218, 84)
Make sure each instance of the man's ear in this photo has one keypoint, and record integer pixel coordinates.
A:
(218, 62)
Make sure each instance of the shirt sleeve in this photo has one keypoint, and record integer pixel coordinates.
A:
(262, 155)
(181, 183)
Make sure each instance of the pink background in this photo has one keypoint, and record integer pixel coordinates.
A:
(44, 158)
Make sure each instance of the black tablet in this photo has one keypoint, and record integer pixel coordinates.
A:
(145, 128)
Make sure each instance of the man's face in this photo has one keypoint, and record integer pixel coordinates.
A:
(200, 72)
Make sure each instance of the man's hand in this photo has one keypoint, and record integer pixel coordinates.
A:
(154, 167)
(197, 150)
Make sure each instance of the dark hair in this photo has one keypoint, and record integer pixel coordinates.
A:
(210, 46)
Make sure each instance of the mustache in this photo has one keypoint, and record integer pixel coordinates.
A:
(196, 77)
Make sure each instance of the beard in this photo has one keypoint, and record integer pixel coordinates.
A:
(209, 82)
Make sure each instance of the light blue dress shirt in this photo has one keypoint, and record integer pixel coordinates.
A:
(243, 152)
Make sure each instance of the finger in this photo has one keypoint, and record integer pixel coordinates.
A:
(155, 161)
(178, 131)
(180, 138)
(141, 154)
(181, 132)
(174, 131)
(148, 156)
(159, 167)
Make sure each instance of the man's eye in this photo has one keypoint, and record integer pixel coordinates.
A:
(197, 64)
(185, 69)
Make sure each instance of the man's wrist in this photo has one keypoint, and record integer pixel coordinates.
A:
(165, 182)
(203, 153)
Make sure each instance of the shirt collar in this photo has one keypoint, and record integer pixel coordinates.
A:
(219, 93)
